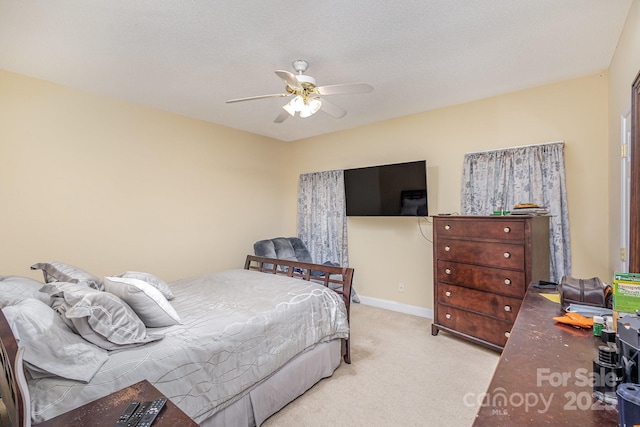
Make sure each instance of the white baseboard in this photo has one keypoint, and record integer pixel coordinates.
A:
(396, 306)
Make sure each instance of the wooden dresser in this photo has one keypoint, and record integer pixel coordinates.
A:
(482, 268)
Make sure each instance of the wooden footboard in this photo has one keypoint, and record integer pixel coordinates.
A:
(13, 386)
(336, 278)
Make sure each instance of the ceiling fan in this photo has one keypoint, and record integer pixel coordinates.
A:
(307, 97)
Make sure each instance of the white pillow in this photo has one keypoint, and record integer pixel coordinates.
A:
(154, 281)
(104, 319)
(147, 301)
(50, 346)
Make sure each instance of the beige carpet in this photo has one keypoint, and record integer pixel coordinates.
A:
(400, 375)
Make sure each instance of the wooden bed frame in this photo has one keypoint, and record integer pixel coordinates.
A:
(340, 279)
(13, 384)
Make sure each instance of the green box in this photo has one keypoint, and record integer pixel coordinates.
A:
(626, 292)
(631, 277)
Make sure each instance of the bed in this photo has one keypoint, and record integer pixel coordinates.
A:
(246, 344)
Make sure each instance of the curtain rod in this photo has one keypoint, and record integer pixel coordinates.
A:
(511, 148)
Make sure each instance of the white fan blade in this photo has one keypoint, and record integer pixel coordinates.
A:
(332, 109)
(344, 88)
(289, 78)
(282, 116)
(251, 98)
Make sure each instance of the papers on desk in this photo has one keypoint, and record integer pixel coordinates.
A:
(552, 297)
(589, 311)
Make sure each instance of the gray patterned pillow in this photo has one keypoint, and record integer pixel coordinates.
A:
(70, 292)
(108, 322)
(14, 289)
(51, 348)
(60, 272)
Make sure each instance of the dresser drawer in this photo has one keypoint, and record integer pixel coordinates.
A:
(493, 229)
(505, 308)
(474, 325)
(507, 282)
(503, 255)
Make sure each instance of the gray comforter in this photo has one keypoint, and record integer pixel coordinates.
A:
(239, 327)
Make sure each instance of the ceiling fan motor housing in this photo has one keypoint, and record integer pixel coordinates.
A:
(306, 81)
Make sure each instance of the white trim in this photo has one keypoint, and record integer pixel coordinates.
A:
(518, 146)
(396, 306)
(625, 190)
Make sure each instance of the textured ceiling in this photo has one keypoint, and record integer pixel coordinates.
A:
(188, 57)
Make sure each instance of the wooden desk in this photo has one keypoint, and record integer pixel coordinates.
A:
(544, 374)
(105, 411)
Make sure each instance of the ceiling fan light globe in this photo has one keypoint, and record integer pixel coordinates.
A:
(305, 113)
(315, 104)
(290, 108)
(305, 106)
(309, 110)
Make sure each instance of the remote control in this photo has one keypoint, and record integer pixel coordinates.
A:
(124, 417)
(133, 419)
(152, 412)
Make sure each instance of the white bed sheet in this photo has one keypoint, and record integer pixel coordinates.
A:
(238, 328)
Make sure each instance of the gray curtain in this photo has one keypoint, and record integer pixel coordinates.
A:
(322, 222)
(500, 179)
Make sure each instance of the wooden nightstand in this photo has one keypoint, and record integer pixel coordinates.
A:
(105, 411)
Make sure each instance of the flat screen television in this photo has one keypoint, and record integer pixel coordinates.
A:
(398, 189)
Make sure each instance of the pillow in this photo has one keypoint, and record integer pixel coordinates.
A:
(50, 347)
(60, 272)
(70, 292)
(14, 289)
(108, 322)
(148, 302)
(82, 327)
(64, 295)
(154, 281)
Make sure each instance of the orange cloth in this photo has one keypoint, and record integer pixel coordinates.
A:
(575, 319)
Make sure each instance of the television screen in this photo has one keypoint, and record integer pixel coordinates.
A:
(388, 190)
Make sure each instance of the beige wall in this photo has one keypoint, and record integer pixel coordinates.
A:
(110, 186)
(622, 72)
(386, 251)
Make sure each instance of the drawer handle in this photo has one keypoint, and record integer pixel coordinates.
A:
(507, 255)
(507, 334)
(506, 229)
(507, 281)
(447, 227)
(447, 248)
(448, 293)
(447, 270)
(507, 308)
(448, 316)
